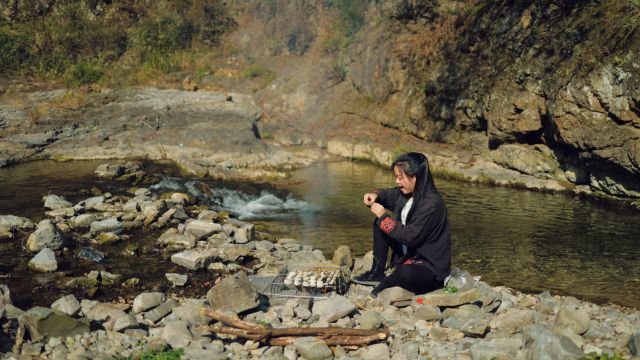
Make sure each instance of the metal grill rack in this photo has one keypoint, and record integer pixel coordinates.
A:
(278, 288)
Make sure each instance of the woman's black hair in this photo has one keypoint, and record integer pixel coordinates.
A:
(416, 164)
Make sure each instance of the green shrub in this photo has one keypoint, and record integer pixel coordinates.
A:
(351, 14)
(14, 51)
(338, 71)
(165, 35)
(256, 71)
(83, 74)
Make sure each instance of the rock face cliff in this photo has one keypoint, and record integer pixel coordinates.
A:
(546, 88)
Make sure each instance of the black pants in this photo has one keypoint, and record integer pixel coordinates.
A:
(417, 278)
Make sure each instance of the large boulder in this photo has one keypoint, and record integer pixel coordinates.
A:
(47, 235)
(549, 346)
(235, 293)
(43, 322)
(577, 320)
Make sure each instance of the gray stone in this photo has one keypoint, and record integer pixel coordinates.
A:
(165, 217)
(109, 225)
(176, 333)
(363, 264)
(44, 261)
(634, 344)
(312, 349)
(42, 322)
(290, 352)
(82, 221)
(334, 308)
(146, 301)
(172, 238)
(15, 222)
(441, 298)
(195, 259)
(444, 334)
(161, 311)
(125, 322)
(5, 296)
(498, 349)
(67, 305)
(265, 245)
(553, 347)
(12, 312)
(368, 319)
(201, 228)
(91, 254)
(61, 213)
(234, 252)
(190, 311)
(47, 235)
(302, 312)
(235, 293)
(109, 171)
(102, 311)
(393, 294)
(373, 352)
(176, 279)
(93, 202)
(512, 320)
(54, 202)
(426, 312)
(342, 257)
(577, 320)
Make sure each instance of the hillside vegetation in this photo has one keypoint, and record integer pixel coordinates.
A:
(116, 42)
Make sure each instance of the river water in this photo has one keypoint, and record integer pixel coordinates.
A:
(522, 239)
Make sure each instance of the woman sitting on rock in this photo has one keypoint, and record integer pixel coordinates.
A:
(418, 234)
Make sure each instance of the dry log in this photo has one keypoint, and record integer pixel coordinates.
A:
(285, 336)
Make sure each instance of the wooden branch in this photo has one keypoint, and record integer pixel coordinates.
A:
(286, 336)
(235, 322)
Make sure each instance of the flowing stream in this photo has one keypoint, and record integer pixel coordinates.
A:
(522, 239)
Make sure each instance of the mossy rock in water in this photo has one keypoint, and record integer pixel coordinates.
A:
(130, 250)
(267, 236)
(223, 214)
(133, 282)
(260, 227)
(81, 282)
(107, 238)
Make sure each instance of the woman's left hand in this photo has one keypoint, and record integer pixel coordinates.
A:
(377, 209)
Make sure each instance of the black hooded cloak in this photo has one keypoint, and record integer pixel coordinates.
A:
(426, 234)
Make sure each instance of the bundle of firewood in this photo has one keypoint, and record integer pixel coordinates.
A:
(233, 325)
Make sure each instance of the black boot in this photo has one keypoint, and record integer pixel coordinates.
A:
(373, 276)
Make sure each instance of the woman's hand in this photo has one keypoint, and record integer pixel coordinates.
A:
(377, 209)
(370, 198)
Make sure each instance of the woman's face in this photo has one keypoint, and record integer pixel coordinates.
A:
(404, 182)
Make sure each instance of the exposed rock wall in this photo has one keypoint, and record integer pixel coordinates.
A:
(548, 89)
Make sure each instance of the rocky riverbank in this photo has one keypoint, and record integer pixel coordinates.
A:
(472, 321)
(227, 136)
